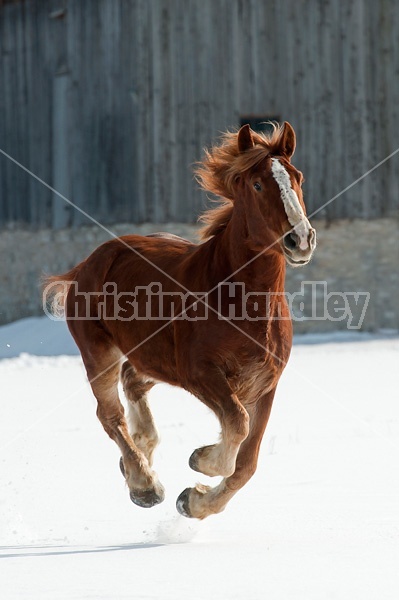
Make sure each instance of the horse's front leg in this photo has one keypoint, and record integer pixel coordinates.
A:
(220, 458)
(201, 501)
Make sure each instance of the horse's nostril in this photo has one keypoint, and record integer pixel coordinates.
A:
(291, 241)
(312, 237)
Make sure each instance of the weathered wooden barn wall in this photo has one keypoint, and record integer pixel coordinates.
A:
(111, 101)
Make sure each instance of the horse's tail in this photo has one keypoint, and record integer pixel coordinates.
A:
(55, 290)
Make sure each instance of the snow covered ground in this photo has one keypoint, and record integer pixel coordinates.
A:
(319, 520)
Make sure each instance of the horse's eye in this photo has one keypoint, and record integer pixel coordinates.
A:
(257, 186)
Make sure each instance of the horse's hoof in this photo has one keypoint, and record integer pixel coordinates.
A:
(193, 461)
(122, 467)
(148, 498)
(182, 503)
(200, 461)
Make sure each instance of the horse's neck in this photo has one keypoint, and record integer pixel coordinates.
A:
(260, 271)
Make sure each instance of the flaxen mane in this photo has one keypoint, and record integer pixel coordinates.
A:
(219, 169)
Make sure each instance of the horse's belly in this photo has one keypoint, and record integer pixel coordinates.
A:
(150, 349)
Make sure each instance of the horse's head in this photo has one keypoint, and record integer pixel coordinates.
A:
(270, 194)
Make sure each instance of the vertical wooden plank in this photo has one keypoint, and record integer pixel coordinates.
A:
(61, 211)
(37, 195)
(174, 201)
(266, 70)
(187, 116)
(360, 43)
(11, 170)
(146, 124)
(8, 169)
(60, 75)
(162, 153)
(193, 24)
(246, 75)
(336, 133)
(301, 111)
(127, 125)
(41, 150)
(328, 125)
(387, 104)
(392, 208)
(371, 50)
(183, 110)
(22, 207)
(314, 80)
(156, 110)
(351, 113)
(235, 65)
(76, 154)
(3, 160)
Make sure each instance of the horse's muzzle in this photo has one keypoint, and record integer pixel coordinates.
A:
(294, 254)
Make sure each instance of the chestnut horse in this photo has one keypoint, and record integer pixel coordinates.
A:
(206, 338)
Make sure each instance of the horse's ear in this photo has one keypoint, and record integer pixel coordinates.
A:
(287, 140)
(245, 139)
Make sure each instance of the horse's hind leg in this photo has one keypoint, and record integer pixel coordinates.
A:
(102, 362)
(140, 421)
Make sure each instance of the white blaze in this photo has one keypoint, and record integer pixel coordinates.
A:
(294, 211)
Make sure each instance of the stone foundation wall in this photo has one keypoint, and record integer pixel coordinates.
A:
(352, 257)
